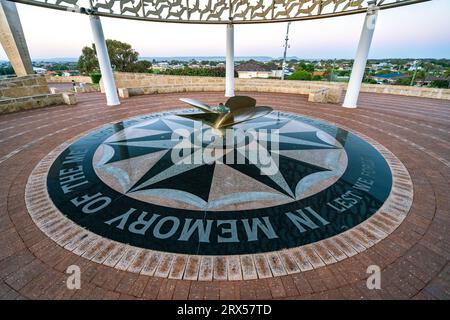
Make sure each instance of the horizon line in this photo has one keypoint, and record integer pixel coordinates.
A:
(253, 56)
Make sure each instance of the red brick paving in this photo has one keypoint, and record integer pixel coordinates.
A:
(414, 259)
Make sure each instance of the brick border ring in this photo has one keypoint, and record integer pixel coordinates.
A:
(93, 247)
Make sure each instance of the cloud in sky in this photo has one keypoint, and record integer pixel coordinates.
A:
(416, 31)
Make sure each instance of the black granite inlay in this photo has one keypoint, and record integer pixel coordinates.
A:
(83, 197)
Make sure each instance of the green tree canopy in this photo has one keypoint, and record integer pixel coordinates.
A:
(88, 63)
(141, 66)
(443, 84)
(421, 75)
(404, 81)
(304, 66)
(6, 70)
(121, 54)
(300, 75)
(202, 72)
(123, 58)
(447, 73)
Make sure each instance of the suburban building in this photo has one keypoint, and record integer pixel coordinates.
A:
(39, 70)
(252, 69)
(161, 66)
(68, 73)
(430, 79)
(383, 66)
(277, 73)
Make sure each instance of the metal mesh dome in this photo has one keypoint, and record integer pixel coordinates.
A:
(219, 11)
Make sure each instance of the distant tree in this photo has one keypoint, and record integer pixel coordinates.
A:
(445, 63)
(123, 57)
(62, 66)
(88, 63)
(428, 66)
(300, 75)
(142, 66)
(344, 73)
(444, 84)
(305, 67)
(202, 72)
(121, 54)
(421, 75)
(309, 67)
(398, 61)
(300, 65)
(329, 65)
(404, 81)
(6, 70)
(95, 77)
(447, 73)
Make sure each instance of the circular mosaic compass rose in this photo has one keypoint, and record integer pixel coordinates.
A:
(168, 183)
(181, 163)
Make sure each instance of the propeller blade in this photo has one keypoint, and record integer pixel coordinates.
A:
(199, 105)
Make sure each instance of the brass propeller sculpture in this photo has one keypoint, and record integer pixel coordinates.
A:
(236, 110)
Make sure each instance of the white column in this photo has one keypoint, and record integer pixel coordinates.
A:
(229, 63)
(112, 99)
(359, 66)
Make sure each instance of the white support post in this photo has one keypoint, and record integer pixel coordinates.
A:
(229, 72)
(112, 99)
(359, 65)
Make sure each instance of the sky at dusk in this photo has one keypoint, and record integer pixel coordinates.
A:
(416, 31)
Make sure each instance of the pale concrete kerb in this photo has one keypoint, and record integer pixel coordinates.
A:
(69, 98)
(124, 93)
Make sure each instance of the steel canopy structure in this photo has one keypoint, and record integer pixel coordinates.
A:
(219, 11)
(226, 12)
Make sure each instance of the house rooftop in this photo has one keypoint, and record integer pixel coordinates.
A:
(252, 66)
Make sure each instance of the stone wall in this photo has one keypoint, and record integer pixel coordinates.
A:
(138, 84)
(36, 101)
(23, 86)
(150, 83)
(77, 79)
(408, 91)
(333, 93)
(29, 92)
(137, 80)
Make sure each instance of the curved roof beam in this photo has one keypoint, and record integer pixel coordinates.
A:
(219, 11)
